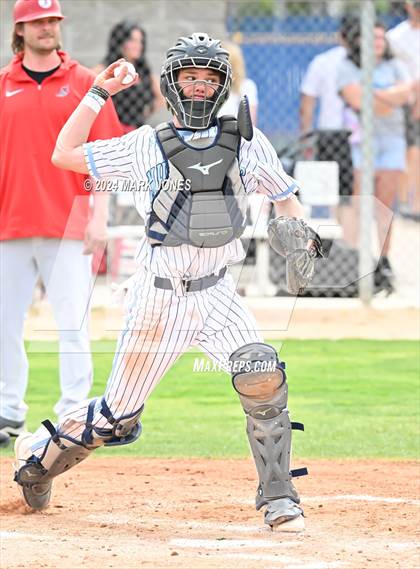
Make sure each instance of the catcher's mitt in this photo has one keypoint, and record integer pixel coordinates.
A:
(293, 239)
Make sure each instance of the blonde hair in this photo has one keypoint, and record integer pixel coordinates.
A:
(237, 62)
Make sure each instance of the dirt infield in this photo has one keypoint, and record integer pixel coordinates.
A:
(199, 514)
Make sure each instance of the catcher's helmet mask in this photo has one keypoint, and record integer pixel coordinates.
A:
(199, 51)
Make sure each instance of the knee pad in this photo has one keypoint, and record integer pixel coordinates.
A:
(259, 377)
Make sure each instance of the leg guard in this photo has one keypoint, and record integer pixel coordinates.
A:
(260, 380)
(38, 462)
(34, 474)
(124, 431)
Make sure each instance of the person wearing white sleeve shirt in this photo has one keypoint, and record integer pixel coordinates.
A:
(404, 40)
(319, 85)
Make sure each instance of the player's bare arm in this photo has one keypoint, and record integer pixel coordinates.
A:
(384, 99)
(306, 113)
(68, 152)
(290, 207)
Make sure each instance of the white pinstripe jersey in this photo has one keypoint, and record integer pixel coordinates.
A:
(137, 156)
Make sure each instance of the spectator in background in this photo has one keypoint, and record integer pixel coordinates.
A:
(46, 227)
(128, 40)
(404, 40)
(319, 85)
(391, 92)
(241, 84)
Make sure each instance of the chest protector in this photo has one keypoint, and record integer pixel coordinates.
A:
(203, 201)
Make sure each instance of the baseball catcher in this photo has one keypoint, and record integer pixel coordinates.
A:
(198, 170)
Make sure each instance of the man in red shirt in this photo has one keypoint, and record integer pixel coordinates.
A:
(46, 227)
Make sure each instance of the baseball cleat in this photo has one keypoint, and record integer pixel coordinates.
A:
(292, 525)
(284, 515)
(37, 496)
(4, 439)
(384, 278)
(12, 428)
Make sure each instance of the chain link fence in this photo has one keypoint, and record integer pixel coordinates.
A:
(294, 60)
(306, 61)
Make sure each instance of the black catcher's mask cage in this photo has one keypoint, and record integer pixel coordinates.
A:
(201, 52)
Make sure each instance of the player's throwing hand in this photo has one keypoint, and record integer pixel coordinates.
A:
(113, 85)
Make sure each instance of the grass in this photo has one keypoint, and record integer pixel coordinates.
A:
(357, 399)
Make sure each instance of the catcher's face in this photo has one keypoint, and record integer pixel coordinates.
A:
(198, 83)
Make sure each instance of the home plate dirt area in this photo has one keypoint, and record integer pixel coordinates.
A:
(199, 514)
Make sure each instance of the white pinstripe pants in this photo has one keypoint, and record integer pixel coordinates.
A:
(160, 326)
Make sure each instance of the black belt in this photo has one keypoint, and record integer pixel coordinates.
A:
(194, 285)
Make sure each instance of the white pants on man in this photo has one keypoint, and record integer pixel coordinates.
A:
(66, 274)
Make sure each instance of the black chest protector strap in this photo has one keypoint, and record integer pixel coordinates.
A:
(207, 209)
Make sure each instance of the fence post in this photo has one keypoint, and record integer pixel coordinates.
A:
(367, 171)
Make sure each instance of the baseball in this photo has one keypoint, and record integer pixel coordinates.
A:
(130, 75)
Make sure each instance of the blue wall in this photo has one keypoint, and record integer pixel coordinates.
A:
(278, 67)
(278, 80)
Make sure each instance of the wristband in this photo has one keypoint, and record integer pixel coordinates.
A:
(93, 101)
(97, 90)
